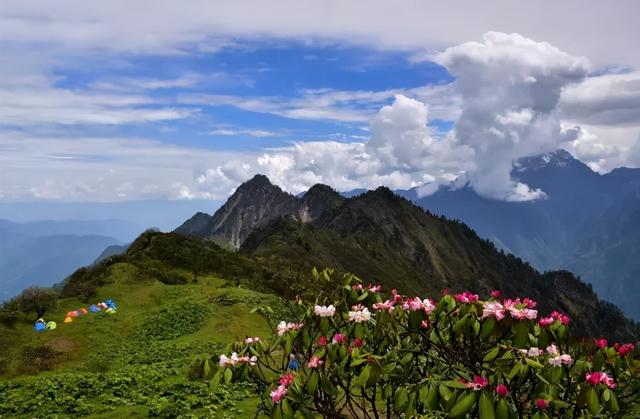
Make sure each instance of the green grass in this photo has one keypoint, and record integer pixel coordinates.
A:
(134, 363)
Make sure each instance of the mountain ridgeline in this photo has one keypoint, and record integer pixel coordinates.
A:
(382, 237)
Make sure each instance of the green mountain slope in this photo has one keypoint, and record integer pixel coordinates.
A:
(137, 362)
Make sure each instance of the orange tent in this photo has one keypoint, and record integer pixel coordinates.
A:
(68, 319)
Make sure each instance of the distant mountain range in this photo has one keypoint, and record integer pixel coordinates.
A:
(43, 253)
(383, 237)
(589, 223)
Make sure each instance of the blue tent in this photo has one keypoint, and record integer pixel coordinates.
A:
(39, 326)
(94, 308)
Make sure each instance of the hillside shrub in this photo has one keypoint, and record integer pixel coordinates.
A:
(355, 353)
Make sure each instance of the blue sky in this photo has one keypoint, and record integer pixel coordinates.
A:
(119, 101)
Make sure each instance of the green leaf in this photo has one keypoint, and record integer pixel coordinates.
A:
(361, 381)
(312, 383)
(287, 412)
(429, 397)
(485, 407)
(593, 404)
(487, 327)
(228, 375)
(445, 392)
(534, 364)
(598, 361)
(521, 331)
(491, 355)
(401, 399)
(463, 406)
(612, 404)
(503, 410)
(454, 384)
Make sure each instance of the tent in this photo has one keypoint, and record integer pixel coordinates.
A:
(39, 326)
(94, 308)
(110, 310)
(68, 319)
(51, 325)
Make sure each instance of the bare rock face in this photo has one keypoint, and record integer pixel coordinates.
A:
(254, 204)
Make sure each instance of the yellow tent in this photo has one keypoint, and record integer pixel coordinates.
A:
(68, 320)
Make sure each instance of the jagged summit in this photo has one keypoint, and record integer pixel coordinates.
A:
(255, 203)
(558, 158)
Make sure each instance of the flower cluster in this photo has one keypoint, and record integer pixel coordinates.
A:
(359, 314)
(479, 382)
(251, 341)
(533, 352)
(388, 305)
(283, 388)
(553, 317)
(625, 348)
(371, 288)
(466, 297)
(284, 327)
(236, 360)
(521, 310)
(415, 304)
(557, 358)
(324, 311)
(315, 362)
(595, 378)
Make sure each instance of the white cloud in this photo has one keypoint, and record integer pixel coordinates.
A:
(401, 153)
(233, 132)
(608, 99)
(606, 34)
(510, 87)
(335, 105)
(110, 169)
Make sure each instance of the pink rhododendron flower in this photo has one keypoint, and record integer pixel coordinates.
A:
(375, 288)
(324, 311)
(532, 352)
(359, 314)
(322, 341)
(546, 321)
(466, 297)
(493, 309)
(357, 343)
(357, 287)
(552, 350)
(542, 404)
(279, 393)
(495, 294)
(283, 327)
(601, 343)
(478, 383)
(623, 350)
(236, 360)
(416, 304)
(518, 310)
(315, 362)
(561, 317)
(338, 338)
(595, 378)
(253, 340)
(529, 303)
(397, 298)
(386, 306)
(425, 324)
(287, 379)
(502, 390)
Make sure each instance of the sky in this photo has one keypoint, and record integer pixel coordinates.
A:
(162, 100)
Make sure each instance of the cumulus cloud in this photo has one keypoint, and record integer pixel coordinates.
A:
(510, 87)
(401, 153)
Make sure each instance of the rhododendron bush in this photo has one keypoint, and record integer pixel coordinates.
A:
(354, 352)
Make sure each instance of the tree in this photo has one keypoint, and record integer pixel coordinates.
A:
(39, 300)
(352, 353)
